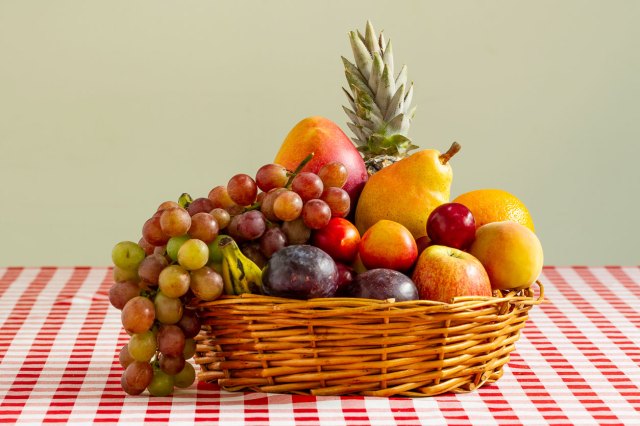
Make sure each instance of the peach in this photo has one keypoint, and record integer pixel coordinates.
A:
(388, 244)
(510, 252)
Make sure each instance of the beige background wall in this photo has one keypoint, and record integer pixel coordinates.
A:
(109, 108)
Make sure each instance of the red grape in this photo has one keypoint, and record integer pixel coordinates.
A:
(137, 377)
(271, 176)
(151, 267)
(175, 222)
(333, 174)
(267, 203)
(316, 214)
(203, 227)
(222, 217)
(272, 240)
(171, 340)
(287, 206)
(138, 315)
(338, 201)
(219, 197)
(307, 186)
(171, 365)
(242, 189)
(152, 232)
(206, 284)
(120, 293)
(200, 205)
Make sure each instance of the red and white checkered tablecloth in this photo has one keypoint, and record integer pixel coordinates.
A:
(577, 362)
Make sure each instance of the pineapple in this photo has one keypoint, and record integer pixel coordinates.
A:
(381, 109)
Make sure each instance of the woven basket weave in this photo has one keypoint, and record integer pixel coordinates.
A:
(341, 346)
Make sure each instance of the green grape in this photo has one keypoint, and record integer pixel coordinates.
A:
(189, 348)
(186, 377)
(174, 281)
(174, 245)
(161, 384)
(127, 255)
(142, 346)
(121, 275)
(193, 254)
(168, 309)
(215, 252)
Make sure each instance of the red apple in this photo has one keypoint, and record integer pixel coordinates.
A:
(452, 225)
(443, 273)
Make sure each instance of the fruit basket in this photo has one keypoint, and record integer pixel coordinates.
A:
(340, 346)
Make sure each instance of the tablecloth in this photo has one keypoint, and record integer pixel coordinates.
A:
(577, 362)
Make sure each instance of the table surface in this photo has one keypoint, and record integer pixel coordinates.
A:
(577, 361)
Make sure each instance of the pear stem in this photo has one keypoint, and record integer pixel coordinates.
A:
(453, 150)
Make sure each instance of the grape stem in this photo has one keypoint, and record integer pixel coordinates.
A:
(453, 150)
(184, 200)
(299, 169)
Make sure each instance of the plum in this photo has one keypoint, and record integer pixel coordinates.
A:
(383, 284)
(300, 272)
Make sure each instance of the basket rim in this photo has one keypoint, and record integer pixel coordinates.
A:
(520, 296)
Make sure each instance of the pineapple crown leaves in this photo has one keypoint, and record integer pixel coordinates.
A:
(381, 110)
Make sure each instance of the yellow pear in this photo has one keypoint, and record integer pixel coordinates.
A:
(407, 191)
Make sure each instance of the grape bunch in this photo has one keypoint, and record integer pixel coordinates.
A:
(281, 207)
(177, 262)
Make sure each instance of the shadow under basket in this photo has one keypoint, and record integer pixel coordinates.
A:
(341, 346)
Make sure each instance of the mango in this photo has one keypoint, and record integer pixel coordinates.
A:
(328, 142)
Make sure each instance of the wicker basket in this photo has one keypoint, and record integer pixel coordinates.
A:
(344, 346)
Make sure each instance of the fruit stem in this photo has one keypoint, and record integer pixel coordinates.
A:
(299, 168)
(184, 200)
(453, 150)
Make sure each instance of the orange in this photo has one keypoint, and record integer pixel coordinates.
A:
(495, 205)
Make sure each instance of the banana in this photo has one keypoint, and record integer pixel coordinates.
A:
(239, 273)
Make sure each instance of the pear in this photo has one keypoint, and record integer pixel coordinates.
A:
(407, 191)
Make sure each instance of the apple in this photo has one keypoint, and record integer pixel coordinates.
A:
(443, 273)
(510, 252)
(388, 244)
(451, 224)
